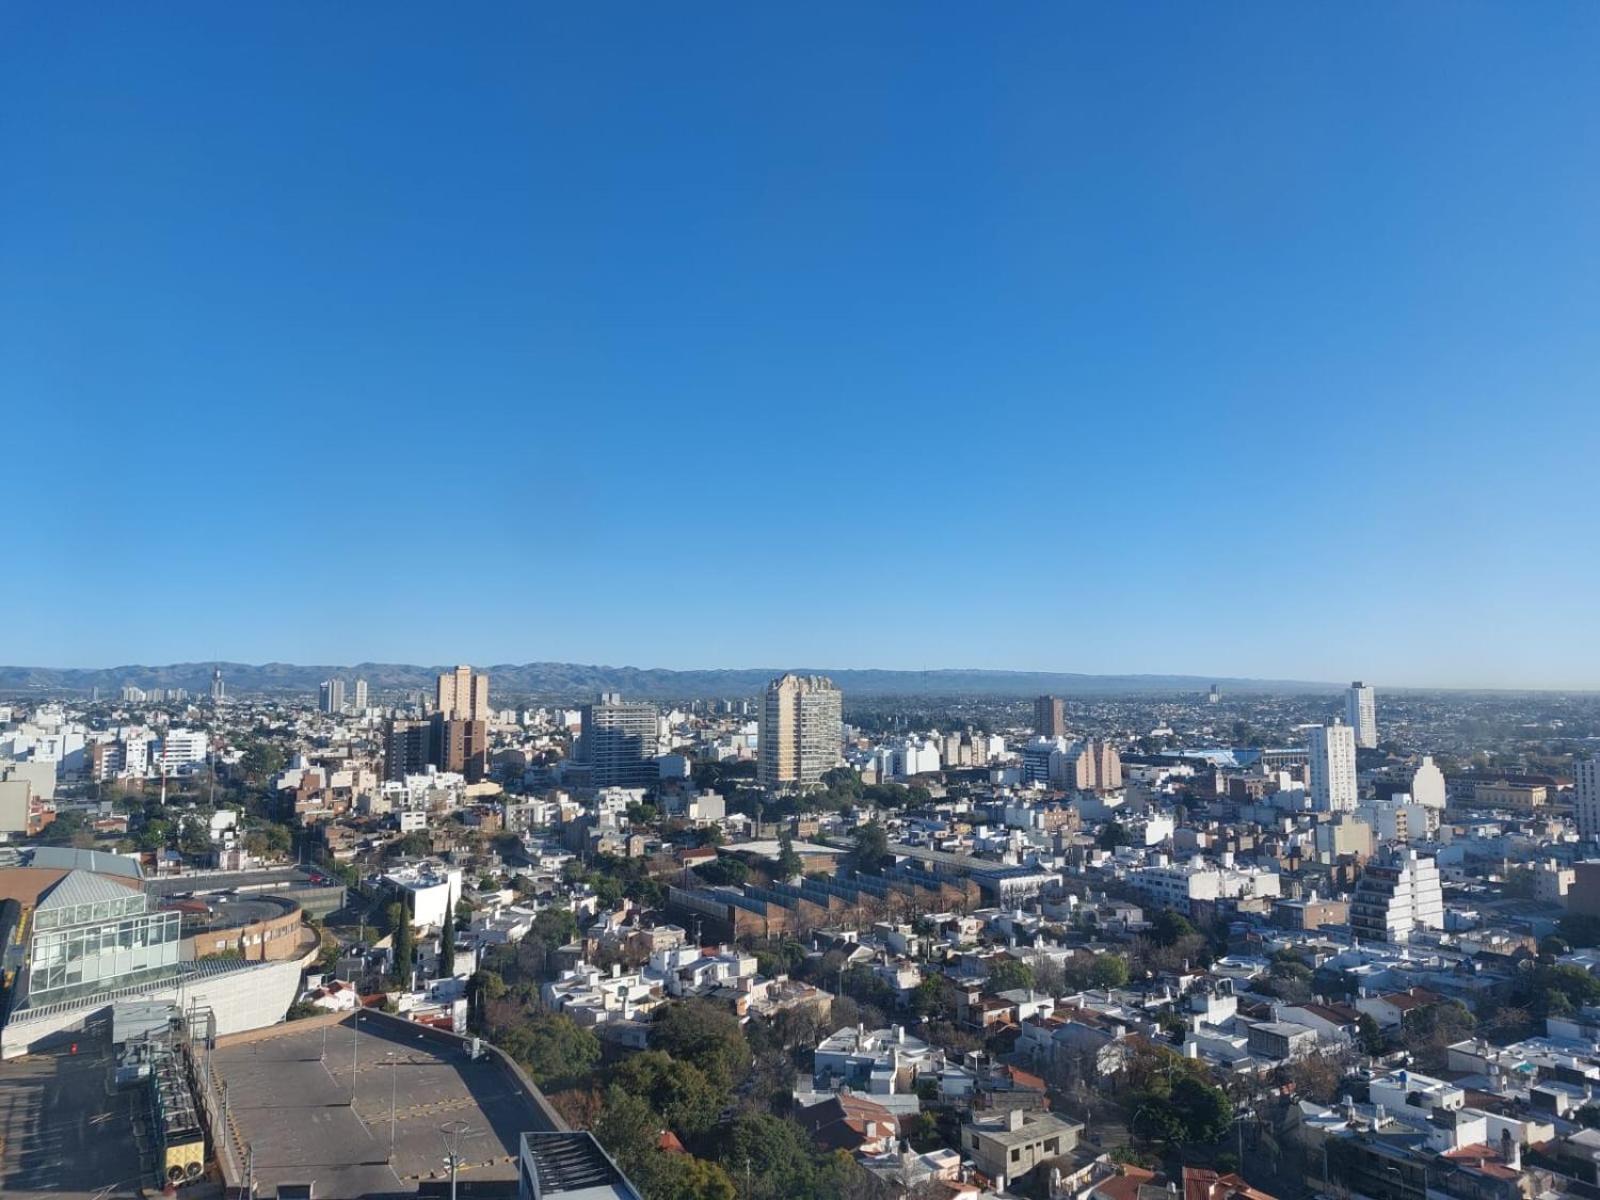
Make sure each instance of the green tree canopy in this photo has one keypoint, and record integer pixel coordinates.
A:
(705, 1035)
(675, 1088)
(555, 1049)
(1008, 975)
(871, 849)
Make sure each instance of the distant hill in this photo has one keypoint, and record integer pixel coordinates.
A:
(574, 681)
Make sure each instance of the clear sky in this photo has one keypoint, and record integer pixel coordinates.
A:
(1245, 339)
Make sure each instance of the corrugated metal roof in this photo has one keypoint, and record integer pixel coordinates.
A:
(84, 887)
(66, 858)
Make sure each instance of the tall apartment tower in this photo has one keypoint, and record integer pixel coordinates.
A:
(1050, 717)
(361, 695)
(330, 696)
(1588, 797)
(1396, 896)
(408, 748)
(619, 742)
(219, 690)
(1332, 753)
(801, 731)
(462, 695)
(1361, 714)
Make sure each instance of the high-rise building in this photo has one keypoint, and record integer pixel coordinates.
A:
(1050, 717)
(1587, 803)
(219, 690)
(182, 748)
(330, 696)
(1332, 753)
(408, 748)
(1091, 766)
(1361, 714)
(462, 695)
(462, 746)
(361, 695)
(1395, 896)
(801, 731)
(618, 741)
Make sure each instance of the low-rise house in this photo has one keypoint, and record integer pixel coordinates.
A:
(1009, 1146)
(875, 1061)
(1281, 1041)
(1390, 1008)
(848, 1121)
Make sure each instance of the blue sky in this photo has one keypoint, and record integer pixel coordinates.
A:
(1256, 339)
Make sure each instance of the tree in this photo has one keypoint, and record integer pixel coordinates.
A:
(871, 848)
(1169, 926)
(723, 870)
(1204, 1109)
(788, 863)
(677, 1090)
(1427, 1032)
(1112, 835)
(447, 949)
(404, 942)
(934, 999)
(194, 834)
(1109, 971)
(261, 761)
(1368, 1035)
(705, 1035)
(268, 840)
(555, 1049)
(774, 1153)
(553, 927)
(628, 1129)
(1009, 975)
(684, 1177)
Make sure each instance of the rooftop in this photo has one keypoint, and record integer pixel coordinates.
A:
(294, 1107)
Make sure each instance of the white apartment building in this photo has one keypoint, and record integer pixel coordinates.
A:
(1396, 897)
(1180, 885)
(1361, 714)
(1427, 785)
(1332, 753)
(430, 891)
(182, 748)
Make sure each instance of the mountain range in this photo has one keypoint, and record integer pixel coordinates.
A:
(575, 681)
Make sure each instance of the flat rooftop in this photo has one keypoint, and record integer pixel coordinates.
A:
(220, 881)
(65, 1132)
(293, 1107)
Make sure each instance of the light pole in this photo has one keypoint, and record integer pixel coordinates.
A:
(393, 1063)
(454, 1133)
(355, 1050)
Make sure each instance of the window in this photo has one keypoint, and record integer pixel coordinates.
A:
(1016, 1155)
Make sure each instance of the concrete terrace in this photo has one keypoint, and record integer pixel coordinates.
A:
(292, 1106)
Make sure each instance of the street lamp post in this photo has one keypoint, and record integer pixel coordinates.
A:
(393, 1063)
(454, 1133)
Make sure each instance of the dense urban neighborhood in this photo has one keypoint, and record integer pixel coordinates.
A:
(1341, 943)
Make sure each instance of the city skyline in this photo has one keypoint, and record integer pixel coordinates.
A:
(1020, 682)
(1244, 307)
